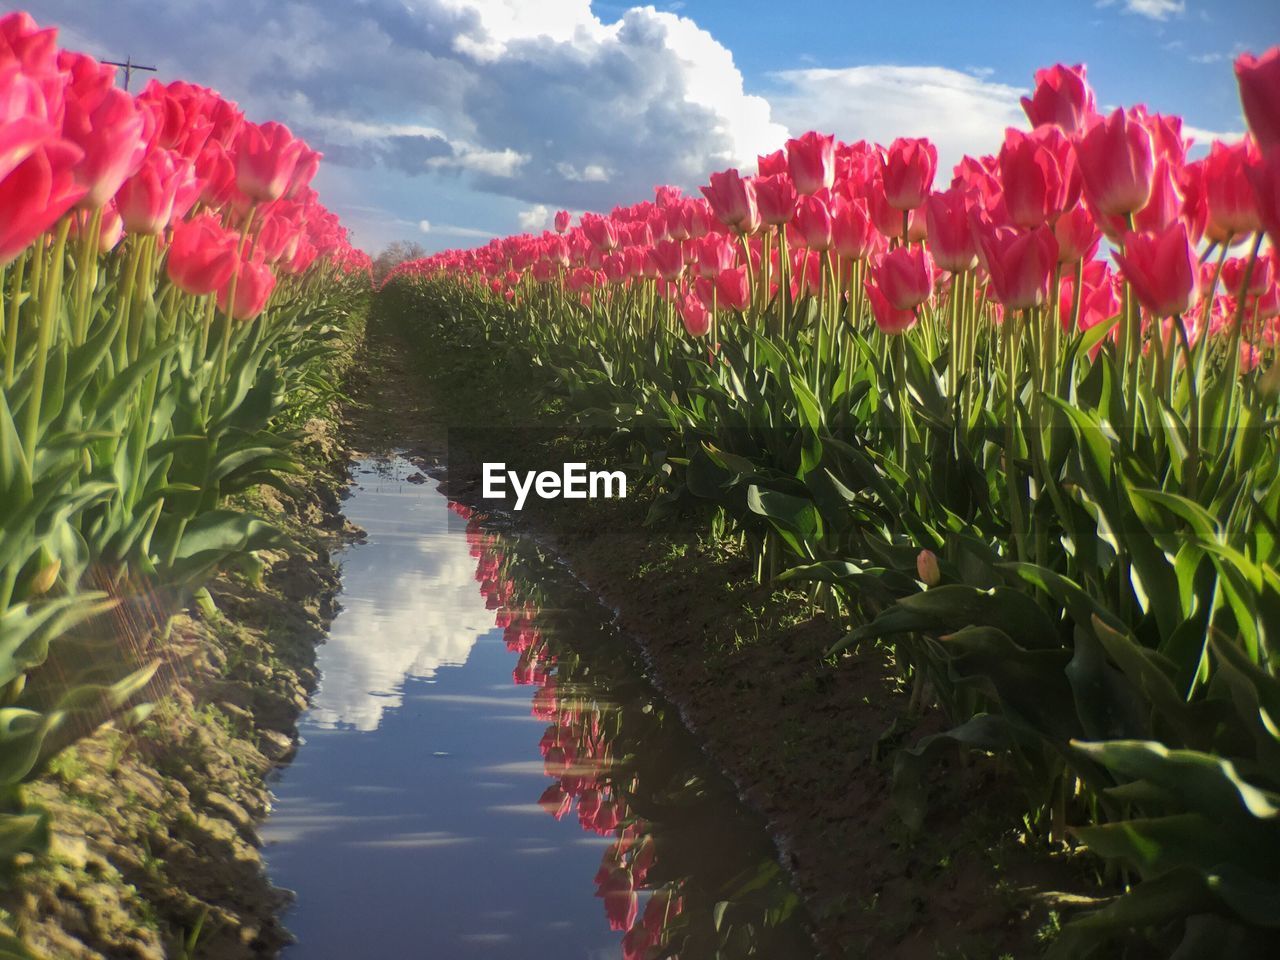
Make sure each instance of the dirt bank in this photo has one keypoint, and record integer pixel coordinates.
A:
(809, 741)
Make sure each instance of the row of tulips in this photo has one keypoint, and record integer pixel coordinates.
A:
(625, 769)
(170, 286)
(1044, 469)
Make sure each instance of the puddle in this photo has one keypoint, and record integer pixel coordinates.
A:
(485, 772)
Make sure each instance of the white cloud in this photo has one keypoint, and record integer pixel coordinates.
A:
(424, 226)
(494, 163)
(501, 92)
(1204, 137)
(1151, 9)
(535, 218)
(961, 114)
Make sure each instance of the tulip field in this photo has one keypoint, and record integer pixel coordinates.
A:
(1016, 422)
(171, 287)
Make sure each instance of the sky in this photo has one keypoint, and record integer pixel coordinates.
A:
(448, 122)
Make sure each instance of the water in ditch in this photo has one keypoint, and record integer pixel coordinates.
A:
(485, 772)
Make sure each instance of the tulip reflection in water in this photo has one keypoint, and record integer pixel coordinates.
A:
(686, 871)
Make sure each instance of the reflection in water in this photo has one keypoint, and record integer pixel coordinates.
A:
(393, 625)
(419, 817)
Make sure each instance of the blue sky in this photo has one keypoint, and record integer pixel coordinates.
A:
(450, 121)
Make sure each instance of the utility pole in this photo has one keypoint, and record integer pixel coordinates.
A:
(128, 66)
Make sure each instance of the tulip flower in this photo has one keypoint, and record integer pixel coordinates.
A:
(304, 172)
(110, 134)
(202, 256)
(1062, 97)
(1232, 208)
(146, 199)
(1263, 174)
(853, 235)
(950, 238)
(1099, 296)
(813, 223)
(1019, 264)
(563, 219)
(253, 282)
(1116, 159)
(775, 199)
(1162, 270)
(733, 289)
(24, 122)
(773, 164)
(668, 259)
(35, 195)
(695, 316)
(111, 230)
(811, 162)
(1077, 235)
(1259, 82)
(733, 201)
(265, 157)
(905, 276)
(601, 231)
(908, 172)
(888, 318)
(1037, 173)
(715, 254)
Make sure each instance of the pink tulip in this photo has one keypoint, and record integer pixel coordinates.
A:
(202, 256)
(1062, 97)
(1259, 82)
(905, 276)
(950, 237)
(668, 258)
(733, 291)
(908, 172)
(146, 199)
(813, 223)
(733, 201)
(695, 316)
(111, 230)
(35, 195)
(254, 282)
(1077, 235)
(563, 219)
(304, 172)
(1264, 176)
(773, 164)
(1037, 173)
(775, 199)
(1166, 201)
(1019, 264)
(853, 236)
(24, 121)
(1099, 298)
(1116, 159)
(888, 318)
(110, 134)
(715, 254)
(265, 157)
(1232, 208)
(601, 231)
(1162, 269)
(811, 161)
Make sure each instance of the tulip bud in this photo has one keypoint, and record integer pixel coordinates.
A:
(927, 568)
(45, 578)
